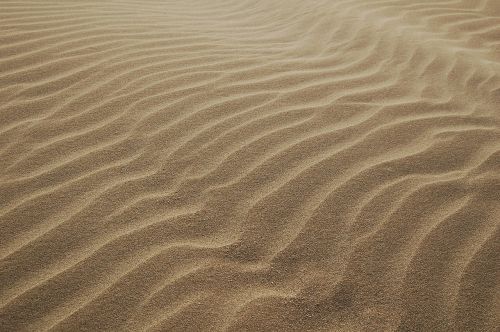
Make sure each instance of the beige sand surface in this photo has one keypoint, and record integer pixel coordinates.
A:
(253, 165)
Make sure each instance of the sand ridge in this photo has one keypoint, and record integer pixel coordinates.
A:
(248, 165)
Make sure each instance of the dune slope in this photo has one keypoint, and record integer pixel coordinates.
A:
(264, 165)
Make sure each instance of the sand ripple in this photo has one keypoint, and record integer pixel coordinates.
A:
(250, 165)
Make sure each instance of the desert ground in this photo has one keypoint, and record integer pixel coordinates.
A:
(250, 165)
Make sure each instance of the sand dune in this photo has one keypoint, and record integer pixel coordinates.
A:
(226, 165)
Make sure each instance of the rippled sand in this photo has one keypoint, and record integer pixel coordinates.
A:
(272, 165)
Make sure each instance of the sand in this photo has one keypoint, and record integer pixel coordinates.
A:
(254, 165)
